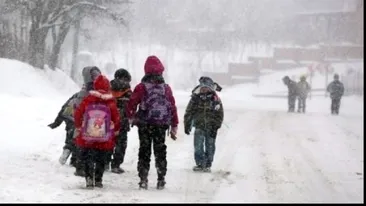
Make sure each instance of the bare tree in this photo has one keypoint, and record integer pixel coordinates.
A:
(56, 17)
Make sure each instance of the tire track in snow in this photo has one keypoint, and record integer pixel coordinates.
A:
(307, 180)
(228, 146)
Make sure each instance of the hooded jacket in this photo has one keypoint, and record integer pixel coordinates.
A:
(153, 74)
(303, 88)
(89, 75)
(292, 86)
(336, 89)
(204, 111)
(101, 93)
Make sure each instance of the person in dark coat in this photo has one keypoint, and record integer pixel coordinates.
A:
(89, 73)
(205, 112)
(336, 90)
(121, 90)
(156, 113)
(66, 115)
(292, 93)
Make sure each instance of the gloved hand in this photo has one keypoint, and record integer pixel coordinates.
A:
(53, 125)
(187, 131)
(173, 133)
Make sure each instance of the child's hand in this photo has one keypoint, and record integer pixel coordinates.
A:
(112, 125)
(53, 125)
(173, 133)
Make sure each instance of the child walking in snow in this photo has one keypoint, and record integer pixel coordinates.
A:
(204, 112)
(157, 112)
(97, 123)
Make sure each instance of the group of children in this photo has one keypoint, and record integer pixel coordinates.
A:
(301, 89)
(98, 119)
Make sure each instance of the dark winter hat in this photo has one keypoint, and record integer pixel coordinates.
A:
(90, 73)
(336, 76)
(286, 78)
(122, 74)
(207, 82)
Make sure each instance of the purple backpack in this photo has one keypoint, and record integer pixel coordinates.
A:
(155, 107)
(97, 123)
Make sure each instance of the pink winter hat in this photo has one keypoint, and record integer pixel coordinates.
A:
(153, 66)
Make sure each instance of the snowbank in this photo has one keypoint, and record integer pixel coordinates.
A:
(21, 79)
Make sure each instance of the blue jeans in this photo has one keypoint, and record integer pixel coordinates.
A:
(204, 148)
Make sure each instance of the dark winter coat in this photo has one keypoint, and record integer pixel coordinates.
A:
(204, 111)
(66, 114)
(122, 92)
(303, 89)
(292, 88)
(336, 89)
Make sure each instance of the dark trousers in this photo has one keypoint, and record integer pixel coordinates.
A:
(79, 159)
(301, 104)
(152, 135)
(336, 103)
(291, 103)
(94, 161)
(204, 147)
(119, 151)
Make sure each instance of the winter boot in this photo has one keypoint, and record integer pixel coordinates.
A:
(64, 156)
(117, 170)
(197, 168)
(73, 160)
(89, 183)
(143, 184)
(99, 184)
(106, 167)
(160, 185)
(206, 169)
